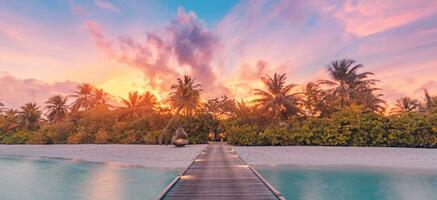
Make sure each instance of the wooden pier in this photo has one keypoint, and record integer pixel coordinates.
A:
(219, 173)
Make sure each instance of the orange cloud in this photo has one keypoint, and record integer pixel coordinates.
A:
(183, 46)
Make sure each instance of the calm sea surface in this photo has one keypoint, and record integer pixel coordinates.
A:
(297, 183)
(54, 179)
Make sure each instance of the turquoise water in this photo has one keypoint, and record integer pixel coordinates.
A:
(346, 184)
(54, 179)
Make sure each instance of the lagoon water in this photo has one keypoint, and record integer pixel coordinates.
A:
(297, 183)
(53, 179)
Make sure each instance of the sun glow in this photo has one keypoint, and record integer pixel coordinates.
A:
(127, 81)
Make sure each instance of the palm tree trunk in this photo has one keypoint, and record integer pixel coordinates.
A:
(164, 132)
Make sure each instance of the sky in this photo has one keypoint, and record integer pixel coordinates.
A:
(47, 47)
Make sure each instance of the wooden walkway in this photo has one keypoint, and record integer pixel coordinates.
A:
(219, 173)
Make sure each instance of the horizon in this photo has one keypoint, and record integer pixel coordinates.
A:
(47, 48)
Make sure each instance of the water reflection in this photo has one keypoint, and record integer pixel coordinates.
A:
(54, 179)
(104, 184)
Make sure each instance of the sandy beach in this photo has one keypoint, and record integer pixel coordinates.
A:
(171, 157)
(138, 155)
(399, 158)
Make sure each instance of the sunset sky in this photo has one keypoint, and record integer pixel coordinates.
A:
(47, 47)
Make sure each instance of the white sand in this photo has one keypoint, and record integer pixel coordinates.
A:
(400, 158)
(138, 155)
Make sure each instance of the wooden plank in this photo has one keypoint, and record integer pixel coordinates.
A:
(219, 173)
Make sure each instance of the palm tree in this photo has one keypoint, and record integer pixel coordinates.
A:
(133, 100)
(100, 97)
(278, 98)
(430, 103)
(315, 99)
(347, 85)
(405, 104)
(57, 108)
(373, 102)
(149, 101)
(132, 104)
(185, 97)
(30, 116)
(84, 97)
(1, 107)
(11, 120)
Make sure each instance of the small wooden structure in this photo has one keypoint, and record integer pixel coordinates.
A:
(180, 139)
(219, 173)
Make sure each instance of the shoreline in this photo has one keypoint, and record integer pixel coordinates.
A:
(160, 156)
(340, 157)
(149, 156)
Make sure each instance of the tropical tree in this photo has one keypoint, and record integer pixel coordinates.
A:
(278, 98)
(373, 102)
(2, 107)
(185, 97)
(29, 116)
(100, 97)
(347, 84)
(316, 103)
(57, 108)
(149, 101)
(221, 108)
(430, 103)
(405, 104)
(84, 99)
(10, 120)
(132, 104)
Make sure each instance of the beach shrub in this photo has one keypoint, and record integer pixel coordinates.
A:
(152, 137)
(412, 130)
(102, 137)
(131, 132)
(56, 133)
(99, 117)
(277, 135)
(311, 132)
(80, 137)
(19, 137)
(246, 135)
(40, 138)
(197, 127)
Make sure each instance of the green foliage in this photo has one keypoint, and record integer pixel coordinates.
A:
(346, 128)
(346, 113)
(412, 130)
(152, 137)
(246, 135)
(20, 137)
(197, 127)
(102, 137)
(96, 118)
(55, 133)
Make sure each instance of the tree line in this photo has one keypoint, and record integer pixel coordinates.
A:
(337, 111)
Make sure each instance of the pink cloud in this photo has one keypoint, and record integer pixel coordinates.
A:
(15, 92)
(183, 46)
(363, 18)
(106, 5)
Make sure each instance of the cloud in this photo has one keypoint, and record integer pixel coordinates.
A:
(15, 92)
(106, 5)
(301, 38)
(363, 18)
(184, 46)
